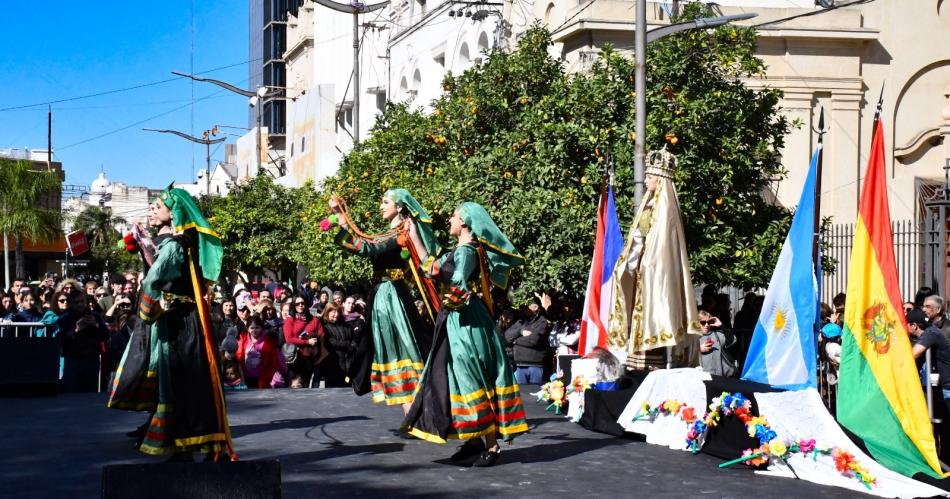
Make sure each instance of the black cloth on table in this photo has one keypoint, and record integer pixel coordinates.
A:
(602, 409)
(729, 438)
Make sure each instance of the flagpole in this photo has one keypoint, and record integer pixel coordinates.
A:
(817, 223)
(816, 237)
(877, 119)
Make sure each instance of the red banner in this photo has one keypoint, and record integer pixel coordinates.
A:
(77, 243)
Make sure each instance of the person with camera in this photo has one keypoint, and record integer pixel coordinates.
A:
(714, 346)
(122, 303)
(120, 320)
(82, 333)
(302, 336)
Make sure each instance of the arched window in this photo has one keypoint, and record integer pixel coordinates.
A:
(464, 58)
(416, 80)
(547, 13)
(482, 42)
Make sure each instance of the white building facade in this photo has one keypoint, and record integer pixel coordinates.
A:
(838, 59)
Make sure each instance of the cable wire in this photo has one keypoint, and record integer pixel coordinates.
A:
(118, 90)
(811, 13)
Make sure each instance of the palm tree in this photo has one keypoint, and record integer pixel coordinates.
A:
(22, 214)
(98, 224)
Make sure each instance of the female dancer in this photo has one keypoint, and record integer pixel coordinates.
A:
(389, 362)
(170, 367)
(468, 389)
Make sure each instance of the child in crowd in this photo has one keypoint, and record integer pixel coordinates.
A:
(714, 345)
(260, 357)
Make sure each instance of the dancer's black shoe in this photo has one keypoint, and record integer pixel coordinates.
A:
(468, 450)
(487, 458)
(139, 432)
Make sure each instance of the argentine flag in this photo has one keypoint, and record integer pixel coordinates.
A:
(782, 352)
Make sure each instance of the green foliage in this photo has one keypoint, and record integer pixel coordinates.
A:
(262, 225)
(106, 255)
(531, 143)
(22, 214)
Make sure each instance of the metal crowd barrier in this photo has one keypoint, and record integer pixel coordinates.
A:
(828, 384)
(21, 329)
(29, 359)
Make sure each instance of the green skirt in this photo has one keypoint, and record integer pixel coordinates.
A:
(468, 389)
(389, 361)
(165, 371)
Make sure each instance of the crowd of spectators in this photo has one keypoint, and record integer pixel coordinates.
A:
(269, 335)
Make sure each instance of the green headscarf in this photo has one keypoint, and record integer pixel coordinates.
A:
(404, 200)
(501, 254)
(186, 215)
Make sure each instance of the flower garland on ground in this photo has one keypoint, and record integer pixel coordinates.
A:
(770, 445)
(670, 408)
(553, 392)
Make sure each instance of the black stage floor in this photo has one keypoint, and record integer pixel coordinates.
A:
(331, 443)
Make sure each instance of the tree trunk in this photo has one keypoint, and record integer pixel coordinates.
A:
(20, 258)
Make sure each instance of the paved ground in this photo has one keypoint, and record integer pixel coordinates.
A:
(331, 443)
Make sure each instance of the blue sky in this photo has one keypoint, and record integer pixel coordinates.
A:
(57, 50)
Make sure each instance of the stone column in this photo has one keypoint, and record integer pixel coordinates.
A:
(797, 105)
(846, 153)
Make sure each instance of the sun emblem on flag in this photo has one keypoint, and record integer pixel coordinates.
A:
(879, 326)
(780, 324)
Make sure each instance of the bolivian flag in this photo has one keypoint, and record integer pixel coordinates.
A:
(880, 398)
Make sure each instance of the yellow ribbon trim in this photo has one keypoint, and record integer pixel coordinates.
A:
(392, 400)
(398, 364)
(203, 230)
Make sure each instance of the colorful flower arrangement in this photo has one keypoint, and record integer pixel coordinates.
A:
(580, 384)
(328, 223)
(771, 447)
(553, 392)
(667, 407)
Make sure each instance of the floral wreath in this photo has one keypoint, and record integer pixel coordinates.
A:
(771, 447)
(669, 408)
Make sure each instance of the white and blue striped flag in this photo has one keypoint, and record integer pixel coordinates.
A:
(782, 352)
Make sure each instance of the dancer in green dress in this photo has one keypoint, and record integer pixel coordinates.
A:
(389, 361)
(169, 367)
(468, 389)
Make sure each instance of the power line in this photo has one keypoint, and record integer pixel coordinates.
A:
(140, 122)
(582, 9)
(118, 90)
(811, 13)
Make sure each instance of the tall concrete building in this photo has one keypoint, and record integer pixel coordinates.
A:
(267, 42)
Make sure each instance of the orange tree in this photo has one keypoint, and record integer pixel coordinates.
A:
(531, 143)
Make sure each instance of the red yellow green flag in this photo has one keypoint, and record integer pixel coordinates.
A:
(880, 397)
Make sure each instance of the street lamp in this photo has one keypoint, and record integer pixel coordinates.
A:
(206, 140)
(642, 38)
(355, 7)
(255, 99)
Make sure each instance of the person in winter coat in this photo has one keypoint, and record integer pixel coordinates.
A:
(341, 344)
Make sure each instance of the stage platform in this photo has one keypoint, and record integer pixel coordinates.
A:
(331, 443)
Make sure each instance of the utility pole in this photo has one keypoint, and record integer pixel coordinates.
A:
(356, 8)
(641, 38)
(49, 138)
(640, 53)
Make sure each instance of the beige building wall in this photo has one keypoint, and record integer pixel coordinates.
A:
(840, 60)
